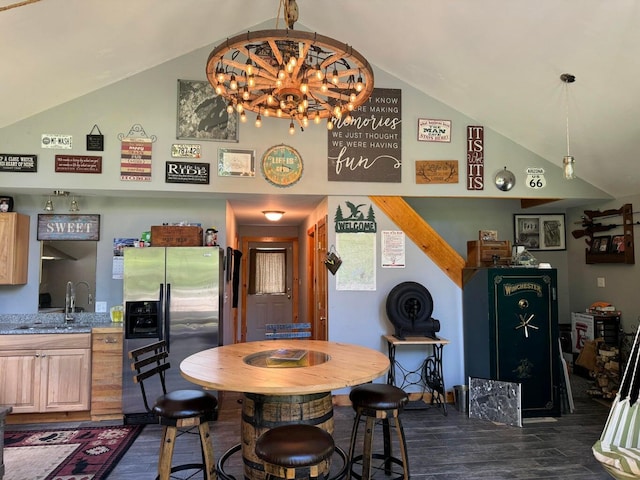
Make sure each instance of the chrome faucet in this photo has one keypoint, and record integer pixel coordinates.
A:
(69, 303)
(89, 296)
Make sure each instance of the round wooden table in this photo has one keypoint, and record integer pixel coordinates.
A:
(277, 391)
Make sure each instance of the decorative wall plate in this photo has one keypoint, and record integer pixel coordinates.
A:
(282, 165)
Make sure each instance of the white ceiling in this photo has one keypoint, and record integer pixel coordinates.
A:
(496, 61)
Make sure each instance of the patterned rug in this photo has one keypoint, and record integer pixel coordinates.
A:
(66, 453)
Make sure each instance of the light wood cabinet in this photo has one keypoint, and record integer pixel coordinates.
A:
(106, 373)
(45, 373)
(14, 248)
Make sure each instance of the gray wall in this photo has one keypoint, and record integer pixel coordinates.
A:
(128, 208)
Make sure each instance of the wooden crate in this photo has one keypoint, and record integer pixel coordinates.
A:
(480, 253)
(176, 236)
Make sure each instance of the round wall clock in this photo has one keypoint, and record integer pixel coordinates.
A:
(282, 165)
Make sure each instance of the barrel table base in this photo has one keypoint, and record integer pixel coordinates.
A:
(263, 412)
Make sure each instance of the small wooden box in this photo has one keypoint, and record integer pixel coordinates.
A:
(480, 253)
(176, 236)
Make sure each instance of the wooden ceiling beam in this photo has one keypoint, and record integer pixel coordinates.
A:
(423, 235)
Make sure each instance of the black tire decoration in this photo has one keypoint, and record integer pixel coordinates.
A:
(409, 308)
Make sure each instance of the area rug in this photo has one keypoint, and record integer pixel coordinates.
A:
(66, 453)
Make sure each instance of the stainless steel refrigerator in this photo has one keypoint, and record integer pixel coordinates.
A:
(175, 294)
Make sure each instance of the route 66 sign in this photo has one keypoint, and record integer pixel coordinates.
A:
(535, 178)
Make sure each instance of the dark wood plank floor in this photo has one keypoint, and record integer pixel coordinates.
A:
(451, 447)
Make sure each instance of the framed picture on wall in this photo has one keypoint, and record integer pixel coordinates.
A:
(202, 115)
(6, 204)
(540, 232)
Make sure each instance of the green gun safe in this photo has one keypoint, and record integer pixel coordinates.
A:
(510, 324)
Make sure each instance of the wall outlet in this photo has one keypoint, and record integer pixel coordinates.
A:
(601, 282)
(101, 307)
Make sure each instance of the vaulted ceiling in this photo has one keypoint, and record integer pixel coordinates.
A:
(496, 61)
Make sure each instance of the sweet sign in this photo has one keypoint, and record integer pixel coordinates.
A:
(68, 227)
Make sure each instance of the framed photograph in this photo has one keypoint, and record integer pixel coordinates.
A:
(239, 163)
(540, 232)
(617, 244)
(488, 235)
(6, 204)
(595, 245)
(202, 115)
(604, 244)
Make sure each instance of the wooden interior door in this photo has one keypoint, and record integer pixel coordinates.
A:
(260, 310)
(321, 319)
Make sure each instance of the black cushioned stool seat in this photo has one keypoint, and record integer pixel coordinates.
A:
(185, 409)
(377, 401)
(293, 450)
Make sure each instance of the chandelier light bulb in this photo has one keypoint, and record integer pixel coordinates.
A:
(279, 113)
(359, 85)
(334, 77)
(220, 76)
(230, 108)
(233, 83)
(292, 128)
(319, 74)
(329, 125)
(281, 74)
(251, 81)
(249, 68)
(258, 121)
(219, 89)
(324, 88)
(352, 97)
(240, 108)
(243, 117)
(305, 120)
(245, 93)
(270, 99)
(316, 118)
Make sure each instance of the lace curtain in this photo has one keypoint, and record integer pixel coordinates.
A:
(270, 272)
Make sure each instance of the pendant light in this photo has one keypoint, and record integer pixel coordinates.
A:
(48, 206)
(568, 162)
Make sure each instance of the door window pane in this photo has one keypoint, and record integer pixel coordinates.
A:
(268, 272)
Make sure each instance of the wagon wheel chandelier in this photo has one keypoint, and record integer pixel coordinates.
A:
(300, 76)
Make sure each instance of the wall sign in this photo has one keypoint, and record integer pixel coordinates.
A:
(10, 162)
(78, 164)
(187, 172)
(55, 140)
(68, 227)
(183, 150)
(430, 130)
(135, 161)
(475, 158)
(436, 171)
(356, 221)
(369, 149)
(535, 178)
(95, 141)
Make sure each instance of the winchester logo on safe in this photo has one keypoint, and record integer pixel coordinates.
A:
(68, 227)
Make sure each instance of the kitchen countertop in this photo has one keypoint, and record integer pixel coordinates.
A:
(53, 323)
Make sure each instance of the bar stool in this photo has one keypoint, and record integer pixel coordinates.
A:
(377, 401)
(290, 451)
(178, 411)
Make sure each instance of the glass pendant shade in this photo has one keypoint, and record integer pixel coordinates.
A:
(48, 207)
(568, 165)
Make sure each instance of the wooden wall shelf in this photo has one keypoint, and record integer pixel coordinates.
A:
(625, 228)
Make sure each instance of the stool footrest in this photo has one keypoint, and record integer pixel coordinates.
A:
(383, 466)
